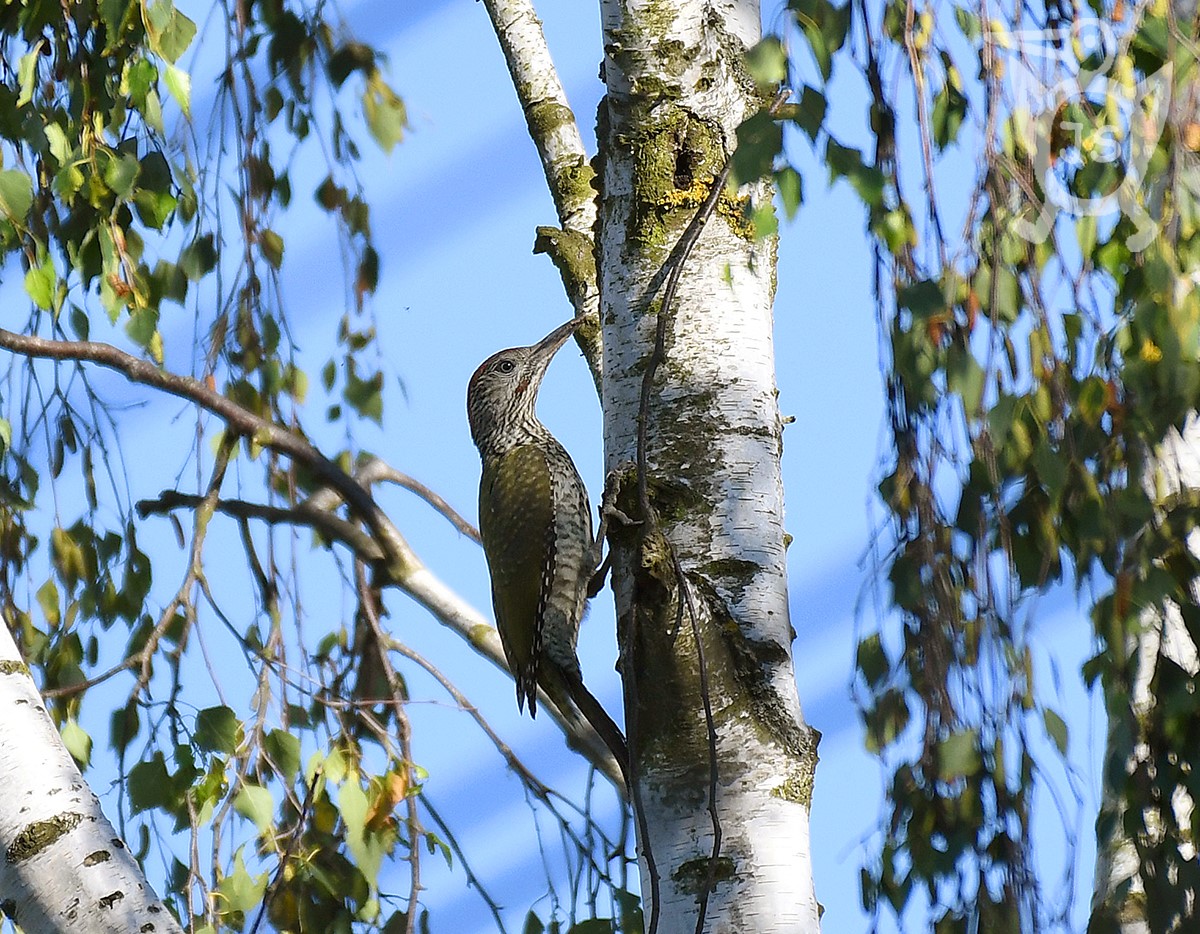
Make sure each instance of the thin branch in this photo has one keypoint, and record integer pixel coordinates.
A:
(304, 513)
(374, 470)
(472, 879)
(240, 420)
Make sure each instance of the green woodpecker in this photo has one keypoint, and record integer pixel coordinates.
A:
(534, 519)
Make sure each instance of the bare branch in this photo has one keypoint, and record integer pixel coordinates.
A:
(304, 513)
(403, 567)
(373, 470)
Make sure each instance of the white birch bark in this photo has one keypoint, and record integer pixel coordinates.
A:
(677, 90)
(63, 866)
(1176, 468)
(555, 133)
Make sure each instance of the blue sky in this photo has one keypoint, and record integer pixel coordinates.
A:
(454, 209)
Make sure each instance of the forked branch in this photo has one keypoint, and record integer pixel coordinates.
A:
(385, 544)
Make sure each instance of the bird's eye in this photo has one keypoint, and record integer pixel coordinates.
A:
(505, 366)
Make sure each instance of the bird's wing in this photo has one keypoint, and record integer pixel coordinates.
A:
(516, 522)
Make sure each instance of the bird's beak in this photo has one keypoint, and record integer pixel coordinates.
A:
(548, 346)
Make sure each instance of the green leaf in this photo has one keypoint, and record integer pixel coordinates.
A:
(809, 113)
(825, 26)
(123, 726)
(149, 784)
(218, 730)
(78, 743)
(924, 299)
(365, 395)
(759, 141)
(120, 173)
(271, 245)
(367, 848)
(68, 558)
(142, 326)
(284, 750)
(592, 926)
(1085, 232)
(113, 13)
(791, 190)
(384, 112)
(16, 194)
(137, 80)
(239, 891)
(198, 258)
(27, 74)
(39, 284)
(533, 924)
(179, 84)
(965, 377)
(254, 803)
(949, 111)
(60, 147)
(958, 755)
(47, 598)
(896, 229)
(169, 31)
(767, 61)
(349, 58)
(968, 22)
(1056, 728)
(1093, 399)
(295, 382)
(847, 162)
(872, 661)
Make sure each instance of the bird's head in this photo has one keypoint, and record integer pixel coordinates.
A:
(503, 390)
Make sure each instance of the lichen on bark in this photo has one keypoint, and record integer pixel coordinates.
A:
(38, 835)
(545, 117)
(675, 160)
(573, 255)
(694, 875)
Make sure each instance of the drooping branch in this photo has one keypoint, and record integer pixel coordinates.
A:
(386, 545)
(555, 133)
(239, 419)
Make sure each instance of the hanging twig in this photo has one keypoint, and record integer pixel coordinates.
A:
(301, 819)
(452, 842)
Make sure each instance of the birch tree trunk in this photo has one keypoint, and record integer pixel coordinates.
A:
(677, 90)
(64, 867)
(1119, 892)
